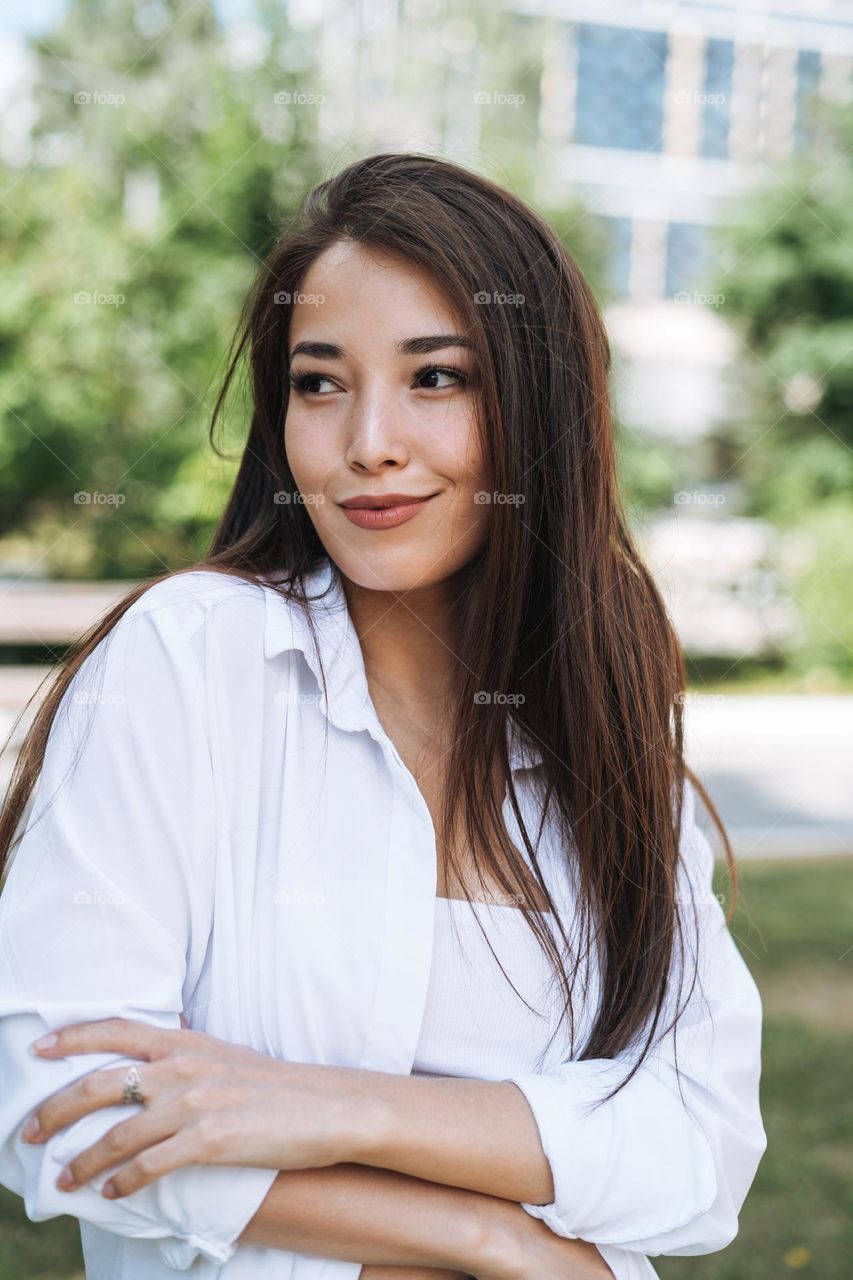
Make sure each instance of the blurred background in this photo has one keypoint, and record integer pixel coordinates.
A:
(697, 160)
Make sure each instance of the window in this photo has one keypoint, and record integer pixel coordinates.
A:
(620, 87)
(617, 234)
(687, 258)
(808, 75)
(717, 98)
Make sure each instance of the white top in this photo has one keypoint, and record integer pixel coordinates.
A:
(475, 1024)
(217, 783)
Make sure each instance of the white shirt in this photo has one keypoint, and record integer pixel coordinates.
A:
(218, 785)
(475, 1024)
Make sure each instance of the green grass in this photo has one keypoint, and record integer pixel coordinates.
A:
(756, 676)
(794, 925)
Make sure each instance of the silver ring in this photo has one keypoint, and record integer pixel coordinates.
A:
(132, 1091)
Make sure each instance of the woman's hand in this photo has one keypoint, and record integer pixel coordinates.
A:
(206, 1101)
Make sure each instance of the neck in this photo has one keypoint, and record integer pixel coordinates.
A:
(407, 638)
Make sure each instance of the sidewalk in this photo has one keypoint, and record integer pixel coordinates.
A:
(778, 767)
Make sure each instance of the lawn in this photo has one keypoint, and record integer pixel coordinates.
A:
(794, 925)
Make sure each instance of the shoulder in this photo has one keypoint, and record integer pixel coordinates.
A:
(188, 601)
(172, 631)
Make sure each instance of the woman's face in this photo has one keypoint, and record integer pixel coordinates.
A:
(369, 417)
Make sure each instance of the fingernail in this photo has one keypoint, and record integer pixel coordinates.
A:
(46, 1042)
(108, 1190)
(30, 1129)
(65, 1179)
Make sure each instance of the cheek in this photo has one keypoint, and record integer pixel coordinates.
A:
(457, 451)
(475, 469)
(306, 451)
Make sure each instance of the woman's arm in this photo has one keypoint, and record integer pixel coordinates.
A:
(371, 1272)
(388, 1219)
(663, 1166)
(107, 911)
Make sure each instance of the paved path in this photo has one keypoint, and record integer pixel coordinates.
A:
(778, 767)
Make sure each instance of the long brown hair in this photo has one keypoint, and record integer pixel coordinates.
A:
(557, 608)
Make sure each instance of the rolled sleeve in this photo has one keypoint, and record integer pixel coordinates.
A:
(665, 1165)
(106, 912)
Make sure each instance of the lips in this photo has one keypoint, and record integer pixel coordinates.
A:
(385, 511)
(364, 502)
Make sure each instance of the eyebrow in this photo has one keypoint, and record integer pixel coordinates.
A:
(406, 347)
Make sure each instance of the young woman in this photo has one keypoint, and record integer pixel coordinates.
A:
(357, 875)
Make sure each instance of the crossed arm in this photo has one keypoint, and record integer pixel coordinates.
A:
(432, 1188)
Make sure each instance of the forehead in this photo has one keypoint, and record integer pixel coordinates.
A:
(355, 289)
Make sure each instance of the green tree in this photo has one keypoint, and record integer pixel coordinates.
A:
(162, 163)
(788, 284)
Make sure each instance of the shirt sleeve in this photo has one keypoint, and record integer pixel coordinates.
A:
(647, 1171)
(106, 912)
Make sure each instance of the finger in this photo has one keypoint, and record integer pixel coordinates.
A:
(155, 1162)
(91, 1092)
(102, 1088)
(121, 1142)
(119, 1035)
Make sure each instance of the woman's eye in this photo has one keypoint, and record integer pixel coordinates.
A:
(304, 383)
(309, 384)
(435, 371)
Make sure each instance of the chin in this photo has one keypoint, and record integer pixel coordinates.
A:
(405, 569)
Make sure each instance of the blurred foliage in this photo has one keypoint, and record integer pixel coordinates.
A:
(787, 281)
(164, 163)
(162, 167)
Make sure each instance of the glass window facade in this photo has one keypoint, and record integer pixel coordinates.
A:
(717, 98)
(621, 77)
(687, 258)
(808, 75)
(617, 233)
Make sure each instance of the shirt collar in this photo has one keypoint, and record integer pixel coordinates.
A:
(349, 705)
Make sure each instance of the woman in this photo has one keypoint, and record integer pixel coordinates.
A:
(361, 883)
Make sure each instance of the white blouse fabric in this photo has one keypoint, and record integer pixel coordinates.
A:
(236, 845)
(475, 1024)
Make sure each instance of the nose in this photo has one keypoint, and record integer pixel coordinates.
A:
(376, 426)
